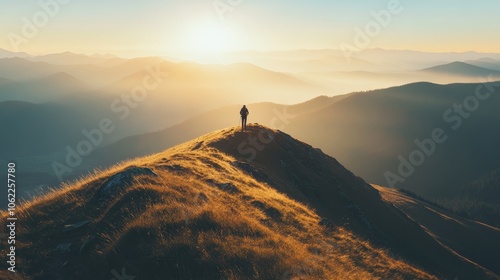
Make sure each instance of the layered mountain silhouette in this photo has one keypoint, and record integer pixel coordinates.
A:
(177, 91)
(370, 131)
(56, 87)
(37, 129)
(463, 69)
(6, 54)
(232, 204)
(486, 62)
(70, 58)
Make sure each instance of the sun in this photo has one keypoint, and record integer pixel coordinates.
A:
(210, 38)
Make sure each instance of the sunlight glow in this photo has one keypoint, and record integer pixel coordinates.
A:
(210, 38)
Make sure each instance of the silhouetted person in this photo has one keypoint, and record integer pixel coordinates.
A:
(244, 113)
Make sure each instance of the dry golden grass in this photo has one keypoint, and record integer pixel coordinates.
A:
(200, 218)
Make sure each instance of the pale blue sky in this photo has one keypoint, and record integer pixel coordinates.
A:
(153, 26)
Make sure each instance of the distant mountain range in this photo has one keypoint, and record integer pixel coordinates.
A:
(325, 60)
(5, 53)
(369, 132)
(52, 88)
(464, 69)
(487, 62)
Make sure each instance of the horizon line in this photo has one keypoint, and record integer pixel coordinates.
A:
(156, 53)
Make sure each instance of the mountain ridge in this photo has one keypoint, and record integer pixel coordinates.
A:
(462, 68)
(205, 208)
(472, 239)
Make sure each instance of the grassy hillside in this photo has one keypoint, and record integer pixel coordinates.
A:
(201, 210)
(475, 241)
(190, 212)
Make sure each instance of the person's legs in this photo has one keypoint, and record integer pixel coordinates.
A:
(245, 122)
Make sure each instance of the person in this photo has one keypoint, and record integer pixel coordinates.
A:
(244, 113)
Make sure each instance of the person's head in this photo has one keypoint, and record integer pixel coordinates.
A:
(244, 106)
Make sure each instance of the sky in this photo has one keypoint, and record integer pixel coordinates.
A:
(183, 27)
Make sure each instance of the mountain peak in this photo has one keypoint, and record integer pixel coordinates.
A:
(195, 211)
(273, 151)
(232, 204)
(461, 68)
(232, 139)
